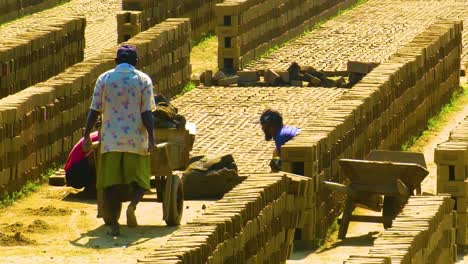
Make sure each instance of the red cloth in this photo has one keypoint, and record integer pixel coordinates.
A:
(77, 153)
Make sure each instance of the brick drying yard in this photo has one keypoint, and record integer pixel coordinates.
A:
(417, 41)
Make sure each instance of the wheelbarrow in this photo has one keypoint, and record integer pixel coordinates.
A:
(172, 153)
(369, 181)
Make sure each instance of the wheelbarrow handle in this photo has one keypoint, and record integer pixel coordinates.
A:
(162, 145)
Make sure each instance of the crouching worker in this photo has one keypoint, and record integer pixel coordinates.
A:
(124, 99)
(273, 128)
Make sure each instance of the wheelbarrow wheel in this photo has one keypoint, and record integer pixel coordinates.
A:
(176, 202)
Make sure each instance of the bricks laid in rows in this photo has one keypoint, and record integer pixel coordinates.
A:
(451, 158)
(422, 233)
(39, 47)
(390, 104)
(100, 22)
(11, 10)
(246, 29)
(225, 118)
(253, 223)
(40, 124)
(139, 15)
(372, 32)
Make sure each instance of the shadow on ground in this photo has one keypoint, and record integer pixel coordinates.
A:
(129, 237)
(366, 240)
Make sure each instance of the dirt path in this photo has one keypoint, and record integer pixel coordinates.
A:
(66, 230)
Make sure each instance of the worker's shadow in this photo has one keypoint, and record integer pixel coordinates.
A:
(129, 237)
(366, 240)
(81, 196)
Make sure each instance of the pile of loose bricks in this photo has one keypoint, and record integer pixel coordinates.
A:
(38, 47)
(13, 9)
(371, 32)
(40, 124)
(253, 223)
(422, 233)
(247, 29)
(390, 104)
(139, 15)
(451, 158)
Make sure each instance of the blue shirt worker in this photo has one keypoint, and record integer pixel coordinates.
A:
(273, 128)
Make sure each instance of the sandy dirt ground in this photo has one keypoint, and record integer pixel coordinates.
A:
(360, 236)
(56, 225)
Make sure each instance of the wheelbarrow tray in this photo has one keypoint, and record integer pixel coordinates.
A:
(382, 177)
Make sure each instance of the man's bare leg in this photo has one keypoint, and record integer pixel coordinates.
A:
(138, 194)
(112, 208)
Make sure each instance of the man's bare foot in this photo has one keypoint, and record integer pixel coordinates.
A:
(114, 230)
(131, 218)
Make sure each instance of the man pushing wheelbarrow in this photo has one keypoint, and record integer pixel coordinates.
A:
(124, 98)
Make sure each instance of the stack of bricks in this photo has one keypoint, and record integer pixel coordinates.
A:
(422, 233)
(451, 158)
(13, 9)
(247, 29)
(40, 124)
(253, 223)
(38, 47)
(384, 27)
(390, 104)
(139, 15)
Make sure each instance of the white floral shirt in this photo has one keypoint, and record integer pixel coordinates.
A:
(121, 95)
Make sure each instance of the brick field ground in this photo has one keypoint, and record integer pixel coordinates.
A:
(371, 32)
(225, 118)
(101, 27)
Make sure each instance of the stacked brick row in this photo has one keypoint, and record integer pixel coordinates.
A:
(247, 29)
(13, 9)
(451, 158)
(40, 124)
(253, 223)
(139, 15)
(422, 233)
(391, 103)
(39, 47)
(371, 32)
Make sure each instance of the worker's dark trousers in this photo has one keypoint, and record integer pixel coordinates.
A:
(112, 205)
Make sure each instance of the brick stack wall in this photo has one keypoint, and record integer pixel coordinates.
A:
(39, 47)
(247, 29)
(139, 15)
(389, 105)
(423, 233)
(14, 9)
(451, 158)
(40, 124)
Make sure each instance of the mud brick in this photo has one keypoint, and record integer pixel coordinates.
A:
(461, 205)
(454, 188)
(360, 67)
(284, 76)
(228, 81)
(272, 77)
(452, 155)
(296, 152)
(296, 83)
(248, 76)
(452, 172)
